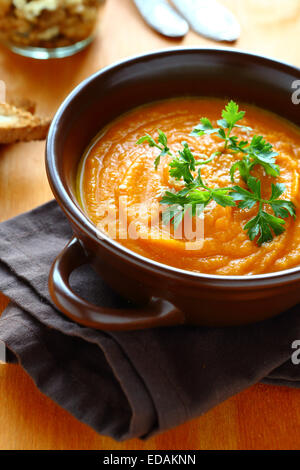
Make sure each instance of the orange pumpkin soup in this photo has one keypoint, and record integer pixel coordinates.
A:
(114, 168)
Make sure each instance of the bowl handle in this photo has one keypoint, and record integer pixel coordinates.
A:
(157, 312)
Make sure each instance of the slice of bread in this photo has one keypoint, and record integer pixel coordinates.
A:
(23, 103)
(17, 125)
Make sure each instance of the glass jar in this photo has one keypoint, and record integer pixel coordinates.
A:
(45, 29)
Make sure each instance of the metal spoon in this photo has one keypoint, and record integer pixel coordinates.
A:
(209, 18)
(162, 17)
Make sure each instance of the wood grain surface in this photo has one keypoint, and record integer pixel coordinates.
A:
(261, 417)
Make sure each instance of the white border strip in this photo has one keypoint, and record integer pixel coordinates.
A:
(2, 352)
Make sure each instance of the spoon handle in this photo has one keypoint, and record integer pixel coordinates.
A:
(209, 18)
(162, 17)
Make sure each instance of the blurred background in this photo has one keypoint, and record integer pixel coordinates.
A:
(270, 27)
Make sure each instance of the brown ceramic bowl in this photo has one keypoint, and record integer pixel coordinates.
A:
(164, 295)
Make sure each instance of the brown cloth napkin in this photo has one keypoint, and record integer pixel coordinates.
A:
(129, 384)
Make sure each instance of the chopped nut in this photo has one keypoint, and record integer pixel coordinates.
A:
(47, 23)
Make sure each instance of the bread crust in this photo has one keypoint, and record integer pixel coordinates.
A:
(18, 125)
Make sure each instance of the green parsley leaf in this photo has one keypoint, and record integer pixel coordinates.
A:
(162, 138)
(259, 152)
(277, 190)
(232, 114)
(205, 127)
(173, 198)
(243, 166)
(223, 123)
(281, 208)
(195, 199)
(221, 197)
(264, 224)
(183, 165)
(262, 154)
(222, 134)
(173, 214)
(245, 199)
(161, 144)
(147, 138)
(237, 146)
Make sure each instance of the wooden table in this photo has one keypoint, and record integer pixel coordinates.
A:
(261, 417)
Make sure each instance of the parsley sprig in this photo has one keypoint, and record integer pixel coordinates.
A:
(193, 199)
(259, 152)
(230, 116)
(161, 144)
(185, 163)
(196, 195)
(264, 224)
